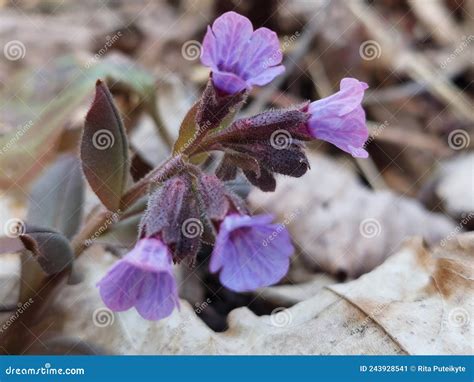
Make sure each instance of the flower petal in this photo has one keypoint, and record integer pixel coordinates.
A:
(349, 132)
(157, 297)
(143, 279)
(118, 288)
(262, 53)
(231, 33)
(238, 56)
(348, 98)
(340, 119)
(251, 253)
(266, 76)
(228, 82)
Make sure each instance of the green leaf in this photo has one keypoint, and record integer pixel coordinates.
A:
(104, 149)
(57, 197)
(187, 130)
(51, 249)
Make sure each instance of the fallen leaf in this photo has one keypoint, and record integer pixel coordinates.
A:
(417, 302)
(342, 227)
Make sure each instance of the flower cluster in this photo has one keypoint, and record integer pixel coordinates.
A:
(191, 207)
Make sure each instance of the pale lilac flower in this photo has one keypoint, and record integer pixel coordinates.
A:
(238, 56)
(142, 279)
(250, 252)
(339, 119)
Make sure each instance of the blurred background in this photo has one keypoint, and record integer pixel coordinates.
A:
(346, 216)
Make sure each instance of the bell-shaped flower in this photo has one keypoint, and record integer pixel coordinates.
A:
(339, 119)
(250, 252)
(142, 279)
(238, 56)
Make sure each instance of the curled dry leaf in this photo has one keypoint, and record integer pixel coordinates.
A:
(422, 305)
(341, 226)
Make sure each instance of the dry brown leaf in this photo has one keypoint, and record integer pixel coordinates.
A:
(418, 302)
(341, 226)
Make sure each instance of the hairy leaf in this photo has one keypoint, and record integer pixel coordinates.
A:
(104, 149)
(51, 249)
(187, 131)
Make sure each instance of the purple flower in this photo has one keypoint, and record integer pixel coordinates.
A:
(251, 252)
(143, 279)
(340, 119)
(238, 56)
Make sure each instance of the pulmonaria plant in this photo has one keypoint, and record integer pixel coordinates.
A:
(188, 206)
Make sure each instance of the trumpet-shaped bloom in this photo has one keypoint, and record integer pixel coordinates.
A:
(339, 119)
(238, 56)
(250, 252)
(142, 279)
